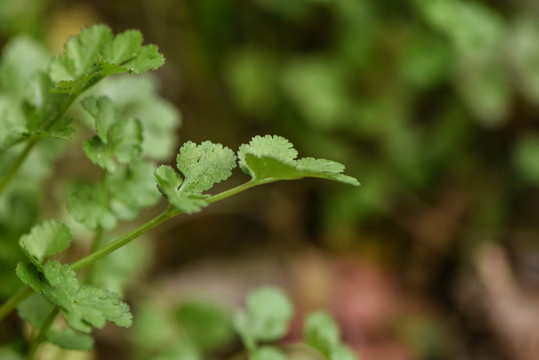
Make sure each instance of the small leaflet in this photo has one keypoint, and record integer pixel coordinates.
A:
(82, 307)
(45, 239)
(96, 53)
(273, 158)
(202, 166)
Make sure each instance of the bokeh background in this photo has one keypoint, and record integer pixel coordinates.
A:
(432, 104)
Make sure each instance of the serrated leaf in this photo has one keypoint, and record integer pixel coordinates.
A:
(266, 318)
(322, 165)
(136, 97)
(321, 332)
(99, 153)
(69, 339)
(104, 113)
(89, 206)
(274, 146)
(126, 138)
(83, 308)
(95, 53)
(273, 158)
(118, 139)
(147, 59)
(168, 181)
(208, 325)
(35, 309)
(124, 47)
(81, 54)
(267, 353)
(204, 165)
(95, 305)
(123, 147)
(45, 239)
(75, 86)
(30, 276)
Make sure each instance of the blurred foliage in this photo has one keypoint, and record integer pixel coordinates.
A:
(432, 104)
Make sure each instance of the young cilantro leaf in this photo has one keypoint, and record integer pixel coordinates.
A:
(81, 54)
(274, 146)
(267, 353)
(82, 307)
(273, 158)
(96, 53)
(168, 182)
(148, 58)
(45, 239)
(117, 138)
(124, 47)
(135, 96)
(266, 318)
(104, 112)
(202, 166)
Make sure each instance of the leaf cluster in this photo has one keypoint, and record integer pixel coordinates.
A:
(83, 307)
(265, 159)
(122, 149)
(41, 93)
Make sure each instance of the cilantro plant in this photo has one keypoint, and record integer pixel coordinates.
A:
(42, 103)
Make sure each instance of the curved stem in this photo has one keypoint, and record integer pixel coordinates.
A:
(118, 243)
(170, 212)
(49, 121)
(42, 333)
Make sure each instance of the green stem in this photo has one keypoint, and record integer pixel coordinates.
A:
(42, 333)
(47, 124)
(235, 190)
(97, 242)
(16, 165)
(118, 243)
(170, 212)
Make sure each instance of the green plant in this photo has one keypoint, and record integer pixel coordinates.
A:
(34, 107)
